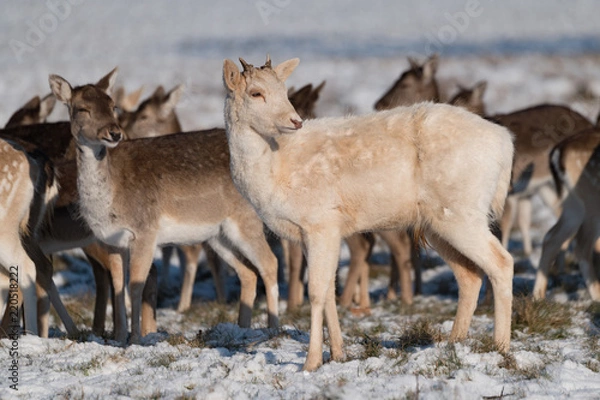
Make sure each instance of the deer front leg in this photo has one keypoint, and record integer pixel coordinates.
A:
(322, 249)
(295, 258)
(141, 252)
(190, 267)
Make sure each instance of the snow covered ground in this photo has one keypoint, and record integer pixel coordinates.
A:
(533, 52)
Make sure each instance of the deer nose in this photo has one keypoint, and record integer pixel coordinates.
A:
(115, 135)
(297, 124)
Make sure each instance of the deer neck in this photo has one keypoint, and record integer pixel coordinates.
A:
(96, 194)
(254, 160)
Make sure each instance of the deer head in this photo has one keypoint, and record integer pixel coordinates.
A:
(414, 85)
(91, 110)
(257, 97)
(35, 111)
(305, 99)
(155, 116)
(471, 99)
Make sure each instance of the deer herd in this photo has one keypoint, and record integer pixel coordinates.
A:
(118, 180)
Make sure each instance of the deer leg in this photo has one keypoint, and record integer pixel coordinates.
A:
(322, 249)
(564, 229)
(250, 241)
(141, 253)
(28, 288)
(359, 251)
(507, 220)
(248, 280)
(478, 250)
(213, 262)
(524, 220)
(399, 243)
(295, 259)
(116, 260)
(149, 298)
(190, 265)
(333, 325)
(584, 251)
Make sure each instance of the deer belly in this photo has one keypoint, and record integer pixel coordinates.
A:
(183, 232)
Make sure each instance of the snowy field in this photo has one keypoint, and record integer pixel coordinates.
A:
(540, 51)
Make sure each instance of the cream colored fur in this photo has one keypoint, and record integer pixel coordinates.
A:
(436, 167)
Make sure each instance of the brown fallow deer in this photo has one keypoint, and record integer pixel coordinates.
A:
(27, 187)
(156, 116)
(575, 164)
(173, 189)
(35, 111)
(471, 98)
(66, 230)
(322, 180)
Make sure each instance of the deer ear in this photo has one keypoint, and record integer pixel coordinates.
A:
(61, 88)
(47, 105)
(32, 104)
(159, 93)
(285, 69)
(479, 89)
(171, 100)
(106, 84)
(430, 67)
(231, 75)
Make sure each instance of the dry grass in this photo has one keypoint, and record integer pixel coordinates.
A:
(420, 333)
(547, 318)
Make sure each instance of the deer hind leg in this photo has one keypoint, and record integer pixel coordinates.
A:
(507, 220)
(473, 240)
(322, 248)
(247, 276)
(400, 246)
(190, 265)
(295, 260)
(149, 299)
(359, 247)
(28, 288)
(214, 264)
(141, 253)
(524, 221)
(584, 251)
(249, 239)
(564, 229)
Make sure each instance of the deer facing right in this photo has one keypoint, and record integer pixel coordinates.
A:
(321, 180)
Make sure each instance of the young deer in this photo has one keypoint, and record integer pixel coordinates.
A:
(575, 164)
(328, 178)
(35, 111)
(414, 85)
(471, 98)
(27, 187)
(174, 189)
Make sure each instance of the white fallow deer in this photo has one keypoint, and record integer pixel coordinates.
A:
(328, 178)
(27, 187)
(173, 189)
(575, 164)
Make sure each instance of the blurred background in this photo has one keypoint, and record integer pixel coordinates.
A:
(529, 52)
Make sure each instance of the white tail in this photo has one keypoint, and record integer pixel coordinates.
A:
(411, 166)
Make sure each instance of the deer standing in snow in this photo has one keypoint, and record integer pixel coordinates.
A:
(172, 189)
(575, 164)
(28, 186)
(325, 179)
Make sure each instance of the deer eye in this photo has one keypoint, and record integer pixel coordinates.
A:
(83, 110)
(256, 94)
